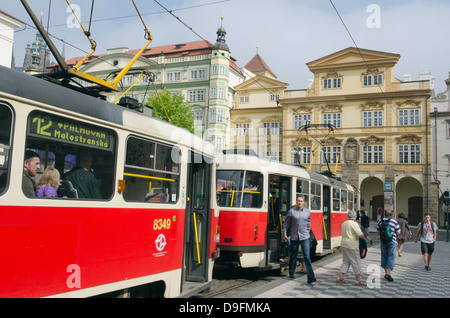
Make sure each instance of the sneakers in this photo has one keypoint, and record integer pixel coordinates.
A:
(427, 268)
(311, 280)
(389, 278)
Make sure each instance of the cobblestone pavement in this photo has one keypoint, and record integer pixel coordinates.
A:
(410, 277)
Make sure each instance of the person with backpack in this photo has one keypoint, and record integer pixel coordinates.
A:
(388, 228)
(428, 232)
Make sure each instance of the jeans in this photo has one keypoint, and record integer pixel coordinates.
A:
(305, 244)
(388, 254)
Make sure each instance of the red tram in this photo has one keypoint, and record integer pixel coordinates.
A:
(152, 232)
(254, 196)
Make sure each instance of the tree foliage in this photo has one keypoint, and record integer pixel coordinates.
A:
(178, 110)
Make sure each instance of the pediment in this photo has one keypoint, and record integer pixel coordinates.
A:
(261, 83)
(351, 57)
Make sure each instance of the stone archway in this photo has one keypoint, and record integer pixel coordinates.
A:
(409, 199)
(371, 189)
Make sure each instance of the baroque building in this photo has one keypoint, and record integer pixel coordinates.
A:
(203, 72)
(361, 123)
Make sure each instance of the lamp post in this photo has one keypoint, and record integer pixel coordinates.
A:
(297, 153)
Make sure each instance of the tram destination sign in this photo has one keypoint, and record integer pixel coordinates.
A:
(69, 131)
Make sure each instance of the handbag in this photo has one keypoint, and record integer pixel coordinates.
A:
(284, 249)
(362, 248)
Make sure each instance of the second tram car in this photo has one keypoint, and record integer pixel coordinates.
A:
(254, 196)
(149, 232)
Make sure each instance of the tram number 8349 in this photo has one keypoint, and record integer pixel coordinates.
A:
(159, 224)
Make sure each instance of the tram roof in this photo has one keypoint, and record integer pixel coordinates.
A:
(29, 87)
(232, 161)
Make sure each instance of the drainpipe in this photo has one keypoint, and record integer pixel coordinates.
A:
(426, 156)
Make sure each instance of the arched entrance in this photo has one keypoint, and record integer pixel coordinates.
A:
(409, 199)
(372, 191)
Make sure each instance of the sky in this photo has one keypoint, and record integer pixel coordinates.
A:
(289, 33)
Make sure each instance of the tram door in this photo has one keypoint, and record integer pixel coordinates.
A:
(326, 221)
(279, 205)
(197, 219)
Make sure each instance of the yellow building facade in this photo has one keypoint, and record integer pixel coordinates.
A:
(357, 121)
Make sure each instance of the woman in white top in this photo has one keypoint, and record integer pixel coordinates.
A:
(351, 233)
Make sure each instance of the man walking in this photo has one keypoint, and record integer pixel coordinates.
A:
(428, 232)
(297, 226)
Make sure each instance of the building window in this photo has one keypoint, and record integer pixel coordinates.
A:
(300, 120)
(329, 83)
(372, 80)
(409, 153)
(244, 99)
(216, 116)
(197, 96)
(173, 76)
(304, 155)
(333, 119)
(408, 117)
(273, 129)
(373, 118)
(331, 154)
(241, 129)
(198, 74)
(198, 118)
(273, 155)
(274, 97)
(373, 154)
(221, 92)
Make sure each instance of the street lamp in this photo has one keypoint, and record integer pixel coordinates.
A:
(297, 153)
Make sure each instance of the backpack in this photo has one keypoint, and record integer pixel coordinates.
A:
(385, 231)
(362, 248)
(365, 221)
(423, 224)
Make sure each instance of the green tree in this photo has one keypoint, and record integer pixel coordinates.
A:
(174, 106)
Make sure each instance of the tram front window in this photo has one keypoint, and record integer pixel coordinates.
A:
(237, 188)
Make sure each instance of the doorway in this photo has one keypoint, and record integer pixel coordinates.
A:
(197, 218)
(326, 220)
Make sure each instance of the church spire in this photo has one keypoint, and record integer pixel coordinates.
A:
(220, 42)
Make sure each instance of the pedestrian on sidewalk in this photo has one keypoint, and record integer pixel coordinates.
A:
(428, 232)
(351, 233)
(405, 233)
(297, 226)
(388, 229)
(365, 223)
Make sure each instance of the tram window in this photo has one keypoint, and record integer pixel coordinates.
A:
(62, 143)
(303, 188)
(350, 201)
(152, 171)
(336, 199)
(316, 195)
(344, 202)
(236, 186)
(6, 121)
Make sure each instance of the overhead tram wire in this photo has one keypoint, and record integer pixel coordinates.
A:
(109, 19)
(380, 88)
